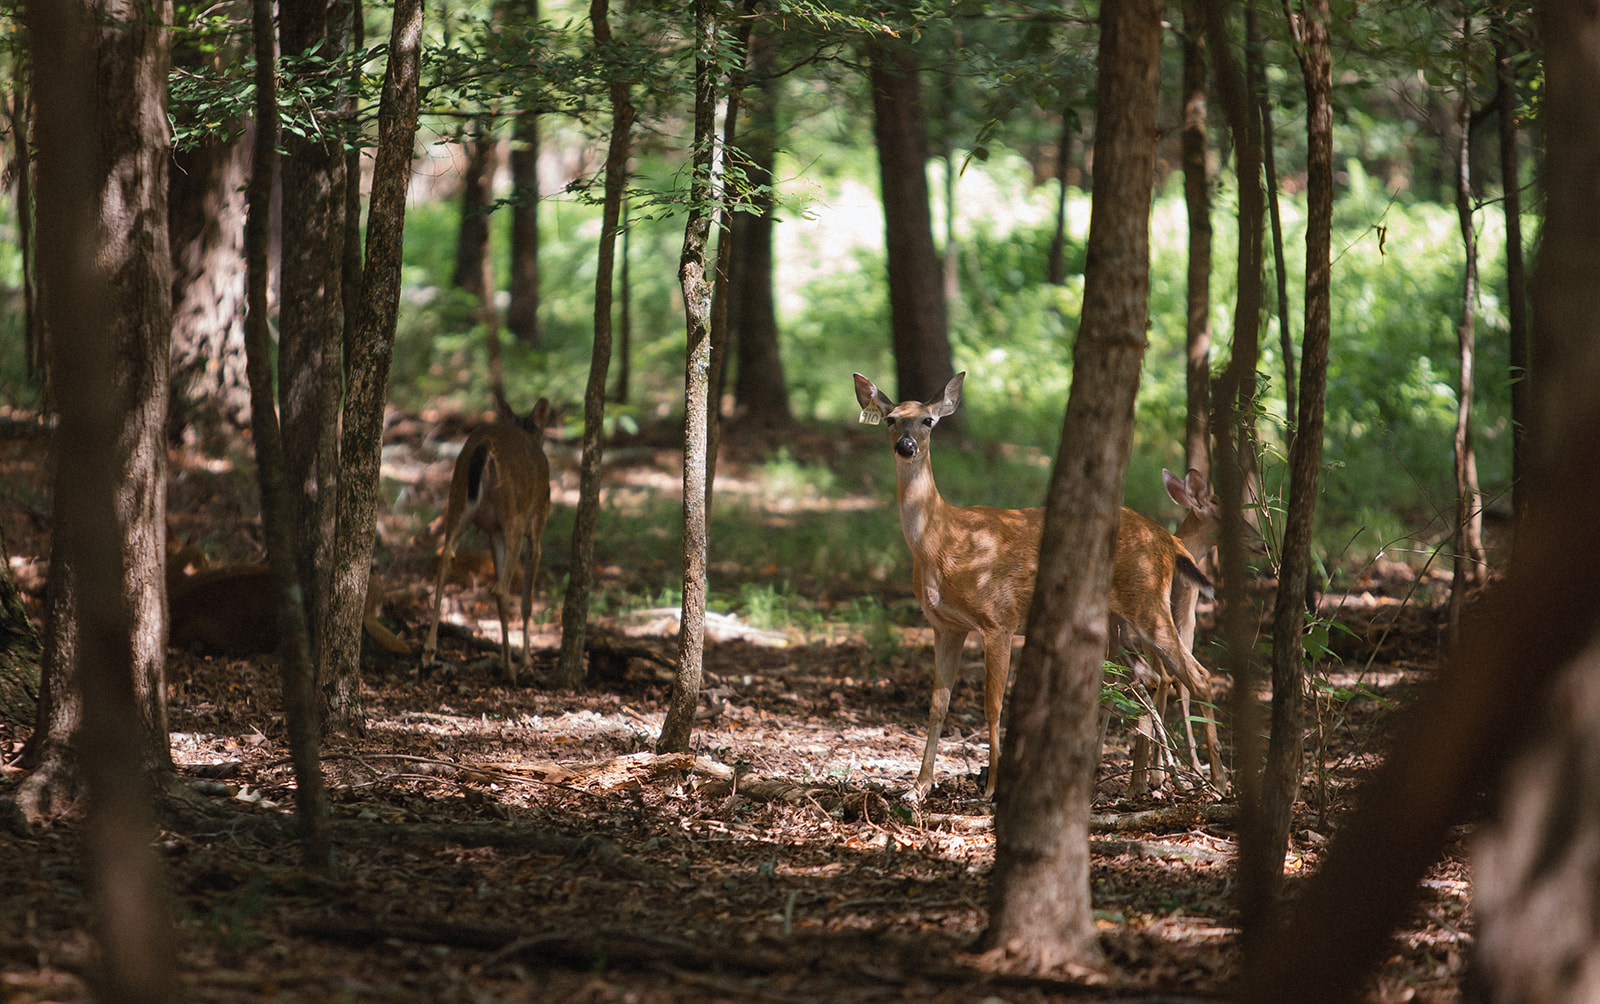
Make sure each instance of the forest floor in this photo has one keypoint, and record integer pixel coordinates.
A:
(513, 843)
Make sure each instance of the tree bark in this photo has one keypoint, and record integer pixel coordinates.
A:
(1197, 201)
(522, 315)
(1469, 562)
(760, 390)
(1262, 854)
(371, 348)
(477, 192)
(311, 318)
(206, 213)
(278, 512)
(922, 356)
(1233, 404)
(1516, 281)
(575, 607)
(100, 72)
(696, 282)
(1040, 903)
(130, 161)
(1056, 260)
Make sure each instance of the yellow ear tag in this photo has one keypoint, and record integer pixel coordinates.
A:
(870, 416)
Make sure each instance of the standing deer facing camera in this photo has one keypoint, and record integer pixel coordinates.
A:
(501, 485)
(974, 567)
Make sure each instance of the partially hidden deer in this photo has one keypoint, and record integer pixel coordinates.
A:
(232, 609)
(974, 568)
(501, 484)
(1198, 532)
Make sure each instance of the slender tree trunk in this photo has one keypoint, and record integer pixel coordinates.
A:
(575, 607)
(278, 515)
(21, 114)
(522, 315)
(1197, 201)
(624, 309)
(311, 316)
(1256, 76)
(1516, 281)
(1040, 903)
(721, 292)
(1233, 405)
(477, 192)
(1056, 261)
(371, 347)
(1469, 560)
(1280, 780)
(692, 273)
(916, 291)
(760, 390)
(348, 14)
(100, 74)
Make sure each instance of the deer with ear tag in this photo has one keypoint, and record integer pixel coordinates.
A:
(974, 568)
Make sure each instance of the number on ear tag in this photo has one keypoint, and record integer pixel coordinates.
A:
(870, 416)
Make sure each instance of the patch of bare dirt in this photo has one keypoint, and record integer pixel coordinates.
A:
(505, 843)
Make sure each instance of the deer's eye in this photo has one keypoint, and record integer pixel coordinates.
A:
(928, 421)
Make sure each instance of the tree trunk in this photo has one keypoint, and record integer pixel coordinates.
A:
(100, 73)
(1040, 903)
(1233, 404)
(206, 213)
(311, 316)
(129, 119)
(916, 286)
(575, 608)
(760, 390)
(693, 275)
(624, 302)
(522, 315)
(1537, 858)
(1522, 679)
(1469, 561)
(1197, 200)
(1262, 850)
(1516, 282)
(477, 192)
(1256, 77)
(278, 511)
(372, 346)
(1056, 260)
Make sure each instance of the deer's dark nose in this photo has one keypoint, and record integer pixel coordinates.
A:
(906, 447)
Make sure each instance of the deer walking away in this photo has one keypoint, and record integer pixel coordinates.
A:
(501, 485)
(974, 568)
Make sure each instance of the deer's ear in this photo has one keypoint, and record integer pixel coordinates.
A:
(951, 399)
(1177, 490)
(870, 397)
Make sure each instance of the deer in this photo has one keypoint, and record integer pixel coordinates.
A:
(974, 569)
(501, 484)
(1198, 532)
(233, 609)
